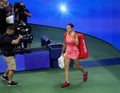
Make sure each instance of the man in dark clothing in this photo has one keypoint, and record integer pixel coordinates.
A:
(21, 13)
(2, 18)
(3, 23)
(9, 54)
(6, 10)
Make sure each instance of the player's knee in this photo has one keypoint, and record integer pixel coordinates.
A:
(66, 66)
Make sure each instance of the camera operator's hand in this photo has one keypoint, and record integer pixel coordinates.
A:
(16, 41)
(8, 14)
(20, 37)
(27, 13)
(16, 10)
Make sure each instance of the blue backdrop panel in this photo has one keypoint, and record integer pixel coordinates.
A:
(20, 62)
(3, 65)
(35, 60)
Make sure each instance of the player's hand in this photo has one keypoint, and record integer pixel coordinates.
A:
(73, 36)
(16, 10)
(62, 54)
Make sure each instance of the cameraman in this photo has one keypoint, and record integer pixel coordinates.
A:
(22, 13)
(9, 54)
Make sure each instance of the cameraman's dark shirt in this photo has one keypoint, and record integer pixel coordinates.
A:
(8, 48)
(23, 16)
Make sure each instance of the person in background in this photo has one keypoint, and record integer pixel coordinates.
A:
(9, 8)
(21, 13)
(6, 10)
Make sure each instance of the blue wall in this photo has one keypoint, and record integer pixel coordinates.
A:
(34, 60)
(99, 18)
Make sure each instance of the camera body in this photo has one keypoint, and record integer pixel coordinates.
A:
(26, 31)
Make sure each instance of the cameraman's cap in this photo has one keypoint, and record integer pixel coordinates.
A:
(11, 27)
